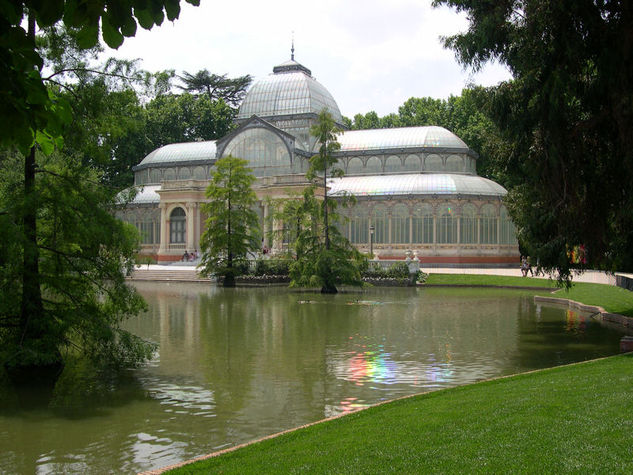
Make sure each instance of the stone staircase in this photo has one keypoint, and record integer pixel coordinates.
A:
(168, 275)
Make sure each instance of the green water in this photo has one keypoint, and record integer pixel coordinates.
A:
(237, 364)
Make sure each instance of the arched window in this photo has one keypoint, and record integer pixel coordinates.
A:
(177, 222)
(508, 232)
(155, 176)
(433, 163)
(169, 174)
(354, 166)
(468, 225)
(488, 225)
(359, 224)
(184, 173)
(379, 221)
(422, 224)
(373, 165)
(446, 226)
(393, 164)
(412, 164)
(199, 173)
(400, 223)
(265, 151)
(454, 163)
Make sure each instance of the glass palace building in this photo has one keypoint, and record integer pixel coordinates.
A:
(416, 188)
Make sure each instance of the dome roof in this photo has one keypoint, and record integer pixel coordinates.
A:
(291, 89)
(416, 184)
(179, 153)
(399, 138)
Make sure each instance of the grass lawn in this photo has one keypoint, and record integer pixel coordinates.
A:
(613, 299)
(574, 419)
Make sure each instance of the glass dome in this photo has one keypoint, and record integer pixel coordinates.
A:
(290, 90)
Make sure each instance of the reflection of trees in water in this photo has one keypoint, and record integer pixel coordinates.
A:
(554, 335)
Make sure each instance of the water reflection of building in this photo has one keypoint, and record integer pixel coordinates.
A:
(416, 187)
(264, 352)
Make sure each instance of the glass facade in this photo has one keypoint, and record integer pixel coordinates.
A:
(265, 151)
(488, 225)
(446, 226)
(379, 220)
(400, 224)
(508, 232)
(468, 225)
(422, 224)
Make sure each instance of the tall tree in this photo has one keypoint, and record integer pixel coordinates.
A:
(324, 257)
(568, 115)
(34, 116)
(83, 253)
(232, 226)
(216, 87)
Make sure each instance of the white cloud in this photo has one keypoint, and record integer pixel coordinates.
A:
(371, 55)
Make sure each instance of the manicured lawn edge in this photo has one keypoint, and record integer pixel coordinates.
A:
(612, 299)
(573, 418)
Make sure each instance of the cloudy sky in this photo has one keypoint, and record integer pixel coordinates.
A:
(370, 54)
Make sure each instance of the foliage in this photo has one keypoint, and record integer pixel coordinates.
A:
(121, 113)
(317, 265)
(25, 104)
(176, 118)
(217, 87)
(272, 267)
(398, 271)
(232, 226)
(568, 115)
(84, 255)
(325, 258)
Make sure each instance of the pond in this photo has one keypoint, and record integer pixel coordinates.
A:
(238, 364)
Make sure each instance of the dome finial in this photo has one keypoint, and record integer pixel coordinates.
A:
(292, 49)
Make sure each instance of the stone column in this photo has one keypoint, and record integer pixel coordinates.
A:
(164, 229)
(189, 207)
(264, 226)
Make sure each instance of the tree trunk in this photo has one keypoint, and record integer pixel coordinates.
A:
(31, 314)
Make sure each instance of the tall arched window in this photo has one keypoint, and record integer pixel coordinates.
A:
(508, 232)
(379, 221)
(177, 222)
(400, 223)
(468, 225)
(446, 226)
(422, 224)
(359, 224)
(488, 225)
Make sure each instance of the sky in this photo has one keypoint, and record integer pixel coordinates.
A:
(370, 54)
